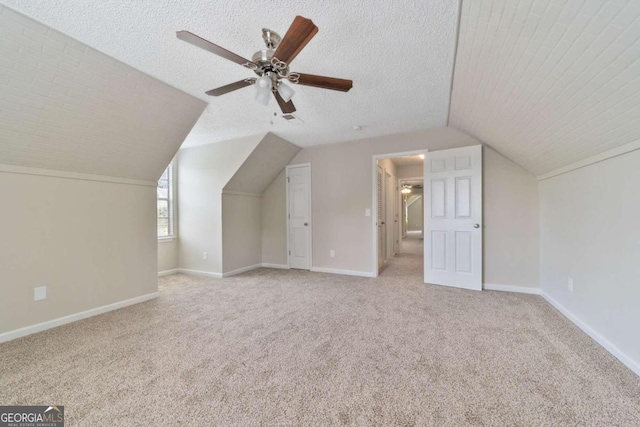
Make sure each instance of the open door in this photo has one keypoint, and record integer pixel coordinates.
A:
(453, 217)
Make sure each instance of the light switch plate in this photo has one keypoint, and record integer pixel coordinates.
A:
(367, 212)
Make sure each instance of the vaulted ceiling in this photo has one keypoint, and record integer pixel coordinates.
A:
(545, 82)
(67, 107)
(398, 53)
(548, 83)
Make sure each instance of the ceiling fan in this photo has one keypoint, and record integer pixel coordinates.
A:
(272, 64)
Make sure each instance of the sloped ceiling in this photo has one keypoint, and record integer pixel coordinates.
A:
(548, 83)
(262, 166)
(65, 106)
(399, 54)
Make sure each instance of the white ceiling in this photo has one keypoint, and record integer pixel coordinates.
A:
(398, 53)
(548, 83)
(67, 107)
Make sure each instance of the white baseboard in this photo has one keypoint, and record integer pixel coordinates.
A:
(611, 348)
(28, 330)
(168, 272)
(241, 270)
(343, 272)
(200, 273)
(281, 266)
(511, 288)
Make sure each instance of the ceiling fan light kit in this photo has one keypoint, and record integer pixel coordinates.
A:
(262, 97)
(272, 65)
(285, 91)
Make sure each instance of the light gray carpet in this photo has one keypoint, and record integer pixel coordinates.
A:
(274, 347)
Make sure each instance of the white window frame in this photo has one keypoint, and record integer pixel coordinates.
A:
(170, 202)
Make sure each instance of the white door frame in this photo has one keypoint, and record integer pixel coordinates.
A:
(310, 248)
(374, 195)
(380, 237)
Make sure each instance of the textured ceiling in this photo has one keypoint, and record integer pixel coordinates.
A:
(64, 106)
(548, 83)
(398, 53)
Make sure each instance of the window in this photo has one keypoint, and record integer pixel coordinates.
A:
(165, 203)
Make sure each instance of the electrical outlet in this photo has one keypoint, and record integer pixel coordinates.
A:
(40, 293)
(205, 255)
(332, 253)
(570, 284)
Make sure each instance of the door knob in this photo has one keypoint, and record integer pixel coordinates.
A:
(382, 223)
(476, 225)
(306, 224)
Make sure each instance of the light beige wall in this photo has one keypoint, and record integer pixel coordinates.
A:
(589, 231)
(167, 255)
(511, 223)
(168, 250)
(388, 166)
(203, 172)
(342, 190)
(241, 232)
(274, 224)
(414, 211)
(339, 220)
(91, 243)
(220, 208)
(410, 171)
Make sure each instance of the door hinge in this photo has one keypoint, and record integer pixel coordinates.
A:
(289, 252)
(288, 179)
(289, 216)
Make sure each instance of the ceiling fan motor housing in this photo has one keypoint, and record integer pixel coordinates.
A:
(271, 38)
(272, 64)
(264, 65)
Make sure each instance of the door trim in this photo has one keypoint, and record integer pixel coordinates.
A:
(374, 199)
(286, 183)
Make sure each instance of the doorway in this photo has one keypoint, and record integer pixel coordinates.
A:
(451, 233)
(412, 207)
(398, 248)
(299, 216)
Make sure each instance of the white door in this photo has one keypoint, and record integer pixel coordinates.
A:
(380, 208)
(453, 217)
(299, 215)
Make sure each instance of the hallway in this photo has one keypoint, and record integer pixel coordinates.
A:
(409, 262)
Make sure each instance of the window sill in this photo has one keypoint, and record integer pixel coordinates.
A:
(166, 239)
